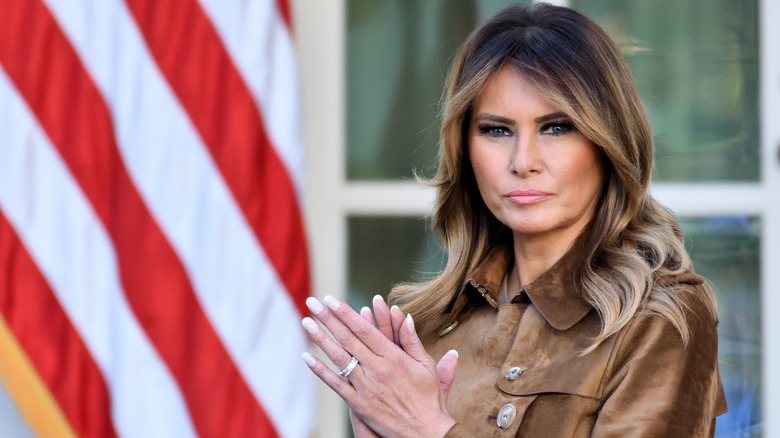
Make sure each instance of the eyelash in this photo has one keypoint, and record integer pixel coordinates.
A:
(488, 129)
(567, 126)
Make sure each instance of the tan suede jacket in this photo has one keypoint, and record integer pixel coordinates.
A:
(519, 373)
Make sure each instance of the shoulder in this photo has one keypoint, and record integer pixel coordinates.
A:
(685, 302)
(657, 379)
(679, 316)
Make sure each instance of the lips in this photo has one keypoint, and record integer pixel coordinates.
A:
(524, 197)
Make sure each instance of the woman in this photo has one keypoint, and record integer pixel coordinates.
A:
(568, 306)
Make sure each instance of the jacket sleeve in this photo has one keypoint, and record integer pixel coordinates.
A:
(659, 388)
(458, 431)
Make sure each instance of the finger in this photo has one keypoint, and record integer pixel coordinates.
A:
(382, 315)
(334, 351)
(352, 331)
(345, 340)
(445, 369)
(411, 343)
(397, 318)
(365, 312)
(334, 382)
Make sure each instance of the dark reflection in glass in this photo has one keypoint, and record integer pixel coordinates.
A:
(727, 251)
(384, 251)
(696, 64)
(398, 52)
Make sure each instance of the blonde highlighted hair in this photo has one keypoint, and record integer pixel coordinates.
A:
(632, 241)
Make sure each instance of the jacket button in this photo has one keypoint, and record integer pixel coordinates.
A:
(513, 373)
(506, 415)
(447, 328)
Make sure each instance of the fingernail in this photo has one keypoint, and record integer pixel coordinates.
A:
(309, 359)
(310, 325)
(331, 302)
(394, 308)
(378, 298)
(314, 305)
(364, 310)
(410, 323)
(453, 352)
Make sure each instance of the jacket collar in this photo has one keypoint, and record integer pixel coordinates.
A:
(554, 293)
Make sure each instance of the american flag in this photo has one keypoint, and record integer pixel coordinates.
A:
(153, 260)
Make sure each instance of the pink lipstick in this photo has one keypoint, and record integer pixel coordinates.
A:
(524, 197)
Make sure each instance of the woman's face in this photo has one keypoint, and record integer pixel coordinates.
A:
(537, 174)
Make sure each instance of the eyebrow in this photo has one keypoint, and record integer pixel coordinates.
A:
(494, 118)
(550, 117)
(505, 121)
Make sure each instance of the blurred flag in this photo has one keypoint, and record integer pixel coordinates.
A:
(153, 261)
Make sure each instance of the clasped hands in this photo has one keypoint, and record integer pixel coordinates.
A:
(397, 389)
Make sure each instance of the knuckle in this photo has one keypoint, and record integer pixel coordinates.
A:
(343, 361)
(382, 374)
(319, 337)
(324, 315)
(363, 330)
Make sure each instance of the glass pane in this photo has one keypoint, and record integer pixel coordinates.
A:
(727, 251)
(384, 251)
(398, 52)
(696, 64)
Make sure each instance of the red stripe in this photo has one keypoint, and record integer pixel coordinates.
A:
(222, 109)
(48, 73)
(50, 341)
(284, 12)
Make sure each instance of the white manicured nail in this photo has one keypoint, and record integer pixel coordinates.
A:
(309, 359)
(453, 352)
(331, 302)
(365, 310)
(310, 325)
(378, 298)
(314, 305)
(410, 323)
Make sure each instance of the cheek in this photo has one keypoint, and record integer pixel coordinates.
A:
(485, 173)
(586, 175)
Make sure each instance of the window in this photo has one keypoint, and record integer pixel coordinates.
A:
(372, 72)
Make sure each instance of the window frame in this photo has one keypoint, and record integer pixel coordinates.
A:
(330, 198)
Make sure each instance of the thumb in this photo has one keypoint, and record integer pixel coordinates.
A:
(446, 371)
(411, 343)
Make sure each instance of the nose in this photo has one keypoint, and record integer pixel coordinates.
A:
(525, 158)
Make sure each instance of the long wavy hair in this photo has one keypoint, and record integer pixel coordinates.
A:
(631, 242)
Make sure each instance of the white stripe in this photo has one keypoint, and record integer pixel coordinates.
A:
(68, 243)
(236, 285)
(259, 43)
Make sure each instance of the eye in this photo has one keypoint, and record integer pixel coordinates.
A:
(557, 128)
(494, 130)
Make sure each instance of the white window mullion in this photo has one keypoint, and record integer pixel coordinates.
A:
(769, 14)
(320, 33)
(712, 199)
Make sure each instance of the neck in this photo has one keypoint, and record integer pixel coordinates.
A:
(534, 256)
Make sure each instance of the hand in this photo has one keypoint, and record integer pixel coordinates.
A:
(393, 391)
(389, 322)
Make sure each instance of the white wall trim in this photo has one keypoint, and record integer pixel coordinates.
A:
(769, 13)
(320, 33)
